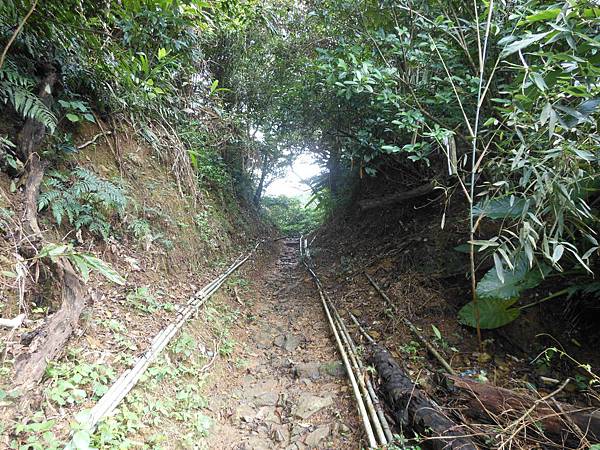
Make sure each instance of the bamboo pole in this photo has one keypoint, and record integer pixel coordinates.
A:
(381, 427)
(128, 379)
(349, 369)
(379, 409)
(413, 329)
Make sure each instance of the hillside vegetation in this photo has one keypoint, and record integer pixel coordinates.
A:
(459, 144)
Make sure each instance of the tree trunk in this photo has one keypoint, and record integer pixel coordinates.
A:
(51, 337)
(413, 409)
(29, 140)
(259, 189)
(559, 421)
(333, 166)
(396, 198)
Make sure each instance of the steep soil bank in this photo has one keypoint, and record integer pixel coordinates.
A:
(166, 244)
(409, 249)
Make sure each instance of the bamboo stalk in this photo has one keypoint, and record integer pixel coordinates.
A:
(358, 368)
(372, 399)
(384, 423)
(361, 405)
(413, 329)
(349, 370)
(128, 379)
(362, 410)
(361, 329)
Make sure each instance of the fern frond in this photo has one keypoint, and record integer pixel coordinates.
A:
(12, 75)
(83, 198)
(27, 104)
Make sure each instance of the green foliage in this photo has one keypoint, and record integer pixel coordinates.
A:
(398, 87)
(502, 284)
(185, 345)
(15, 88)
(142, 299)
(77, 111)
(84, 262)
(73, 381)
(141, 230)
(201, 220)
(36, 434)
(493, 313)
(290, 216)
(83, 198)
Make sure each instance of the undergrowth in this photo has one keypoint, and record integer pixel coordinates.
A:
(83, 198)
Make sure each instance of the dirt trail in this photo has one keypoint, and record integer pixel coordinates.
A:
(287, 389)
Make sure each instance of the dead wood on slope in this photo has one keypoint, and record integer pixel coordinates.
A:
(413, 409)
(51, 337)
(520, 413)
(389, 200)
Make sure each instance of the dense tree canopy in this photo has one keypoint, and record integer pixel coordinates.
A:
(496, 102)
(492, 102)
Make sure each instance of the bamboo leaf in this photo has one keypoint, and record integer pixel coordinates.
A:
(522, 44)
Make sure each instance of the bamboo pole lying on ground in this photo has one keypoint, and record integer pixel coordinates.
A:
(379, 422)
(351, 361)
(413, 329)
(128, 379)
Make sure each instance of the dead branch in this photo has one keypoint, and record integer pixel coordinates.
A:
(525, 413)
(16, 33)
(412, 408)
(396, 198)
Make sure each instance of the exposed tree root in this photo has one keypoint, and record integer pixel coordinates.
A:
(49, 339)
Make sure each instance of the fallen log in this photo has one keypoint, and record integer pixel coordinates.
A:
(396, 198)
(413, 409)
(557, 421)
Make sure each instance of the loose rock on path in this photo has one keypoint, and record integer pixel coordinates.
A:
(289, 389)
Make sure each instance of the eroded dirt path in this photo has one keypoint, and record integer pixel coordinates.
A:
(285, 387)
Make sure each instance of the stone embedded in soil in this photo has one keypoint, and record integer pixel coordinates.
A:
(281, 434)
(268, 414)
(288, 342)
(298, 430)
(315, 370)
(266, 399)
(256, 443)
(245, 413)
(340, 428)
(263, 340)
(333, 369)
(307, 370)
(314, 438)
(309, 404)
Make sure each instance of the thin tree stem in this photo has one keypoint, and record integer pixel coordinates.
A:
(16, 33)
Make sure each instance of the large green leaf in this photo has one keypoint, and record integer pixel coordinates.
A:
(101, 267)
(515, 281)
(83, 261)
(492, 313)
(548, 14)
(501, 208)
